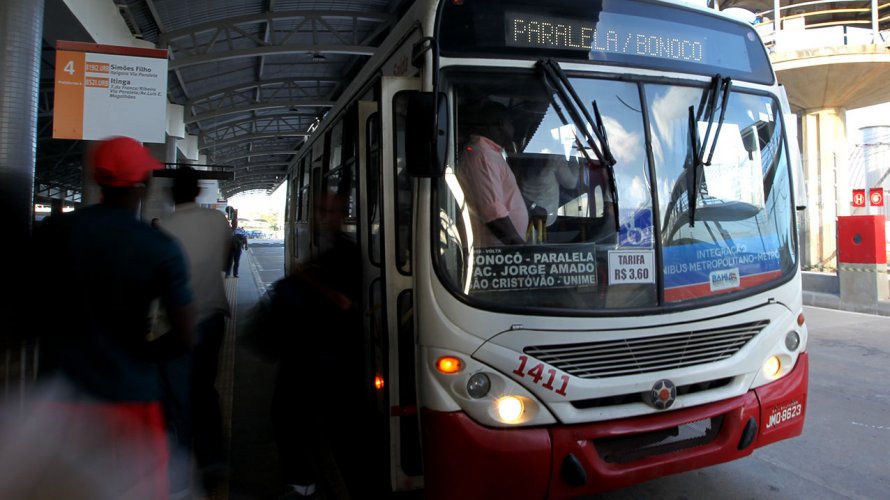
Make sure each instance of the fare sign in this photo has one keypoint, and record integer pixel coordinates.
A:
(631, 267)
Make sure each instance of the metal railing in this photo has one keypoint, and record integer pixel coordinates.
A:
(825, 23)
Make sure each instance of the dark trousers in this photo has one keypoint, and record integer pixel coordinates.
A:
(206, 412)
(234, 260)
(191, 403)
(296, 424)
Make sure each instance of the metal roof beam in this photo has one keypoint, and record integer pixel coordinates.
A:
(261, 168)
(251, 86)
(291, 103)
(251, 137)
(283, 122)
(272, 17)
(234, 187)
(297, 48)
(228, 159)
(227, 33)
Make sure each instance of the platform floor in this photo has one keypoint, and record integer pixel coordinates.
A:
(245, 384)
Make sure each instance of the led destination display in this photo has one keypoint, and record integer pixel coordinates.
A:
(625, 35)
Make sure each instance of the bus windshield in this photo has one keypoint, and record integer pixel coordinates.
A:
(545, 206)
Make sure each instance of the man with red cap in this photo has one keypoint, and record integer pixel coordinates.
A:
(103, 267)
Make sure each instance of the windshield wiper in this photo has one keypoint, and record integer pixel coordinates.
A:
(725, 86)
(708, 108)
(556, 81)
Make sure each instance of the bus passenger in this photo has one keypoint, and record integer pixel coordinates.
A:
(239, 244)
(499, 213)
(205, 235)
(313, 315)
(106, 423)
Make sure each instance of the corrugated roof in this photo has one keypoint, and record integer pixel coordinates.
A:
(251, 74)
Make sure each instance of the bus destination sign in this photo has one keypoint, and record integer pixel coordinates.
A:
(622, 35)
(525, 267)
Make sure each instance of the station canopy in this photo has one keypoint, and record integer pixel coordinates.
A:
(252, 75)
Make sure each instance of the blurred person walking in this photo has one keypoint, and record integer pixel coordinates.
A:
(99, 430)
(193, 402)
(322, 297)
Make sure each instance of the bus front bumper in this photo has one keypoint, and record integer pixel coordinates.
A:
(574, 460)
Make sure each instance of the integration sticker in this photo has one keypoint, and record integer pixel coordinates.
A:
(702, 269)
(527, 267)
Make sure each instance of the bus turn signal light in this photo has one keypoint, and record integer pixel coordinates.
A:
(449, 364)
(378, 382)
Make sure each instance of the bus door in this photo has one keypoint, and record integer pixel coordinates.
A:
(388, 279)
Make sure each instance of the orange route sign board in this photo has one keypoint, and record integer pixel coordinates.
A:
(104, 90)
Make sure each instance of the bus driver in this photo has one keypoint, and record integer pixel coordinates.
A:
(499, 213)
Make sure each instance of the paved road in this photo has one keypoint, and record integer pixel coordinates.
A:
(844, 451)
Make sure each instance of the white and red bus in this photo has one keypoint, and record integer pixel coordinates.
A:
(650, 324)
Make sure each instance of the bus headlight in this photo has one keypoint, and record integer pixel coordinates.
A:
(487, 395)
(509, 409)
(772, 367)
(792, 340)
(478, 385)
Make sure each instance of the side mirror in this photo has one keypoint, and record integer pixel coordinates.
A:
(426, 134)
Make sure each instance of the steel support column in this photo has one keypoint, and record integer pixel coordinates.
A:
(21, 33)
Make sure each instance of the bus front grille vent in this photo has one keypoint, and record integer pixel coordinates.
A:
(636, 397)
(616, 358)
(630, 448)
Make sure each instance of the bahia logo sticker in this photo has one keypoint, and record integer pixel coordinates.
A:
(724, 279)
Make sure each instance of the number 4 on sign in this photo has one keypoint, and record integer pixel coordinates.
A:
(69, 68)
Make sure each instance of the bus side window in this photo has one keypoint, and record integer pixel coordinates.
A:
(404, 187)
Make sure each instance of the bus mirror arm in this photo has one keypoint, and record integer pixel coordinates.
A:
(426, 133)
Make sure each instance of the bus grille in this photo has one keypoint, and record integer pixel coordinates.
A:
(615, 358)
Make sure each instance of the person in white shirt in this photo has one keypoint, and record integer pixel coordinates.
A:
(205, 237)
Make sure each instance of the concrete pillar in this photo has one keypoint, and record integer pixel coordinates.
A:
(170, 150)
(158, 202)
(824, 153)
(91, 193)
(21, 32)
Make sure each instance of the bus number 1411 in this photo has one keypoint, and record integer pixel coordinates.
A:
(537, 374)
